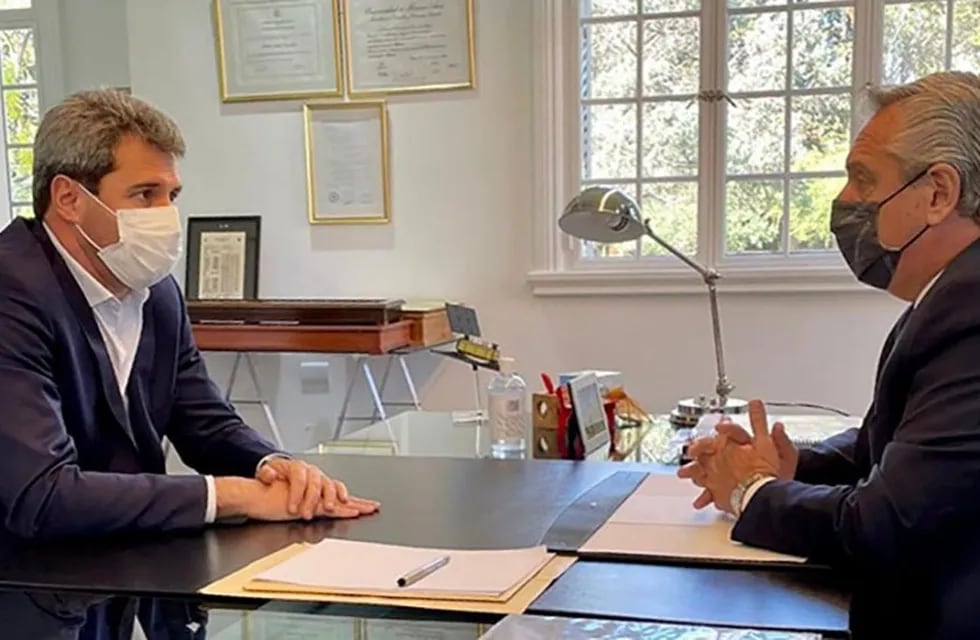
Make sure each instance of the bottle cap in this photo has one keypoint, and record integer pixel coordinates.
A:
(506, 364)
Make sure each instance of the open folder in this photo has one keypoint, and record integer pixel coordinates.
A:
(343, 567)
(658, 521)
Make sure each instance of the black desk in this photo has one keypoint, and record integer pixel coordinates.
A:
(444, 503)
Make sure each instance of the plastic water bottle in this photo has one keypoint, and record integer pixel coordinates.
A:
(507, 412)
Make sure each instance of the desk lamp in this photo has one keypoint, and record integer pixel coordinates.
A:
(603, 214)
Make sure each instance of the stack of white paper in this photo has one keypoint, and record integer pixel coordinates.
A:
(360, 568)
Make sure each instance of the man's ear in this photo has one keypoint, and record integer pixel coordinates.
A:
(66, 199)
(946, 189)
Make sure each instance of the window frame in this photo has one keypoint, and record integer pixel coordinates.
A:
(44, 18)
(557, 268)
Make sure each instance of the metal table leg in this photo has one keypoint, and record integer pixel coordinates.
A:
(407, 374)
(342, 417)
(362, 366)
(260, 398)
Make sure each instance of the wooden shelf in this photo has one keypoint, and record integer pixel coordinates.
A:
(255, 338)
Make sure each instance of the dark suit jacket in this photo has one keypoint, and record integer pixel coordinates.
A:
(897, 503)
(73, 460)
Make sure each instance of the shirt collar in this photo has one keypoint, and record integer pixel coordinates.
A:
(94, 291)
(925, 289)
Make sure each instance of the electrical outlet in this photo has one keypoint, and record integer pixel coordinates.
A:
(314, 377)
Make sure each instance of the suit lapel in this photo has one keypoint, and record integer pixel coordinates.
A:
(86, 320)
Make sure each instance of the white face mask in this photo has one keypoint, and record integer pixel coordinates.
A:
(149, 244)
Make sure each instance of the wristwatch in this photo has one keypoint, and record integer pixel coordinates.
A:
(738, 493)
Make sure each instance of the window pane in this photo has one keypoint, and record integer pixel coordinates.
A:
(914, 40)
(14, 4)
(670, 140)
(756, 136)
(672, 208)
(22, 211)
(757, 52)
(609, 60)
(966, 35)
(753, 210)
(18, 56)
(597, 251)
(821, 132)
(823, 42)
(23, 115)
(608, 7)
(665, 6)
(671, 51)
(20, 163)
(809, 213)
(609, 141)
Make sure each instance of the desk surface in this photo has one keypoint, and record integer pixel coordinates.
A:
(444, 503)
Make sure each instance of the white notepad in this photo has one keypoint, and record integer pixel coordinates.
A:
(657, 520)
(362, 568)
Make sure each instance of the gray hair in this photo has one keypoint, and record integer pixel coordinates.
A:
(78, 138)
(942, 124)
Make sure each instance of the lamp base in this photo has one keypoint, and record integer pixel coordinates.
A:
(689, 410)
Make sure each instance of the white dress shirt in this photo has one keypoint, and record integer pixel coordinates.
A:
(120, 322)
(758, 484)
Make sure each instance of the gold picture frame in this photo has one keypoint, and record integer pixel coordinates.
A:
(347, 177)
(424, 86)
(230, 67)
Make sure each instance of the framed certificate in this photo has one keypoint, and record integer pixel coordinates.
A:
(347, 162)
(401, 46)
(223, 258)
(277, 49)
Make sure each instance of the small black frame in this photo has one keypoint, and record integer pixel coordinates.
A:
(251, 225)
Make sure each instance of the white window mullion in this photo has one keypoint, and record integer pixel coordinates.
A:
(637, 189)
(711, 158)
(868, 30)
(784, 221)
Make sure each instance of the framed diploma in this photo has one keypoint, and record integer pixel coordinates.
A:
(223, 258)
(347, 162)
(277, 49)
(401, 46)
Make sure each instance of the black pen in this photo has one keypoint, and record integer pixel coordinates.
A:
(426, 569)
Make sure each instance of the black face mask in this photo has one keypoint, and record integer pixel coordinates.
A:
(855, 225)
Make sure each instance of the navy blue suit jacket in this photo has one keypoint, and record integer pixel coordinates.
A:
(897, 502)
(73, 460)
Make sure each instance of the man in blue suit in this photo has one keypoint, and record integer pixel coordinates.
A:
(97, 359)
(894, 503)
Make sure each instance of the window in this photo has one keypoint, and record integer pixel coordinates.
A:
(728, 120)
(20, 103)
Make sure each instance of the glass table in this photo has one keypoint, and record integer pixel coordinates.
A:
(281, 622)
(456, 435)
(465, 435)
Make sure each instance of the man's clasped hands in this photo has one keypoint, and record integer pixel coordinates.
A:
(733, 459)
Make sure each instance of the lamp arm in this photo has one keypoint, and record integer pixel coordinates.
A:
(709, 275)
(723, 387)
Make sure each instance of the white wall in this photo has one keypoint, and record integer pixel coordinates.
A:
(94, 44)
(461, 169)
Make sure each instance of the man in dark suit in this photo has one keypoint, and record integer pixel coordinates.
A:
(97, 360)
(894, 503)
(98, 365)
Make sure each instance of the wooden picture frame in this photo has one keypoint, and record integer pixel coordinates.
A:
(223, 257)
(277, 49)
(347, 162)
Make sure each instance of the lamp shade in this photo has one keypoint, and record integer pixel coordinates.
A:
(602, 214)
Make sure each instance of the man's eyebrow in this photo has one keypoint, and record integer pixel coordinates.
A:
(153, 185)
(144, 185)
